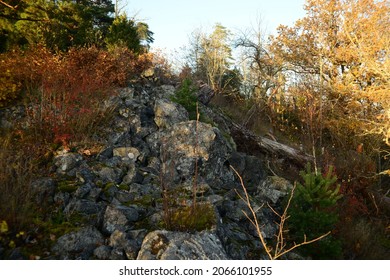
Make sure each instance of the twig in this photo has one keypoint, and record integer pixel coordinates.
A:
(195, 183)
(10, 6)
(254, 221)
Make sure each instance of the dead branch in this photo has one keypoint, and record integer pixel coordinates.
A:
(9, 6)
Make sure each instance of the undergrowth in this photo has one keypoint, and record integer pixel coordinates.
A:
(62, 95)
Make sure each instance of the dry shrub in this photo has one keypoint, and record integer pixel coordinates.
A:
(63, 90)
(163, 68)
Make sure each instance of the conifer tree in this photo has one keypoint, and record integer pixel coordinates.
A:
(312, 213)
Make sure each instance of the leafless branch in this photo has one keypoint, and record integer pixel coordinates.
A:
(10, 6)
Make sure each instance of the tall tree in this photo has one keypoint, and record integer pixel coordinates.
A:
(211, 55)
(327, 54)
(125, 32)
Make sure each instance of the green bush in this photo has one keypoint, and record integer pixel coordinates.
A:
(186, 97)
(312, 214)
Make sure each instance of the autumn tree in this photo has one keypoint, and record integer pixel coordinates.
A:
(331, 56)
(366, 30)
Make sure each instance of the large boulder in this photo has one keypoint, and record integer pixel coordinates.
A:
(78, 244)
(190, 145)
(167, 113)
(166, 245)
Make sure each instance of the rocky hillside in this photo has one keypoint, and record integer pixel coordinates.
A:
(133, 195)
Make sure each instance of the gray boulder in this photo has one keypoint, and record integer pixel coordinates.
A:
(186, 143)
(168, 113)
(91, 212)
(66, 162)
(78, 244)
(129, 153)
(121, 241)
(119, 218)
(166, 245)
(273, 189)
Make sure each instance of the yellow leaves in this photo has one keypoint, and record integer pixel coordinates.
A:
(11, 244)
(3, 227)
(9, 87)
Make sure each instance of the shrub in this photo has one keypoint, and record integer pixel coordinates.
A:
(186, 97)
(312, 213)
(63, 91)
(9, 88)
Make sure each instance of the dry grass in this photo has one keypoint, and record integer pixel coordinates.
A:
(16, 203)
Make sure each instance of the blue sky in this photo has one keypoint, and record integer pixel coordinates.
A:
(172, 21)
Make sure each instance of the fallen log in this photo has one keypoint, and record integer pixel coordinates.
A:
(268, 150)
(250, 142)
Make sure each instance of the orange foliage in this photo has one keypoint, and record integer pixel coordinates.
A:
(63, 91)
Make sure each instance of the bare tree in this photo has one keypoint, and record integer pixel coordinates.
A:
(120, 5)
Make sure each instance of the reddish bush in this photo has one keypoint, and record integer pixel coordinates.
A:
(63, 90)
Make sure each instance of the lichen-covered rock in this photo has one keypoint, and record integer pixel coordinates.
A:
(67, 162)
(102, 252)
(166, 245)
(164, 91)
(237, 242)
(122, 241)
(187, 142)
(78, 244)
(168, 113)
(130, 153)
(119, 218)
(83, 206)
(108, 174)
(273, 188)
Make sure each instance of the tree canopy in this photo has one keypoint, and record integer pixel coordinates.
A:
(62, 24)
